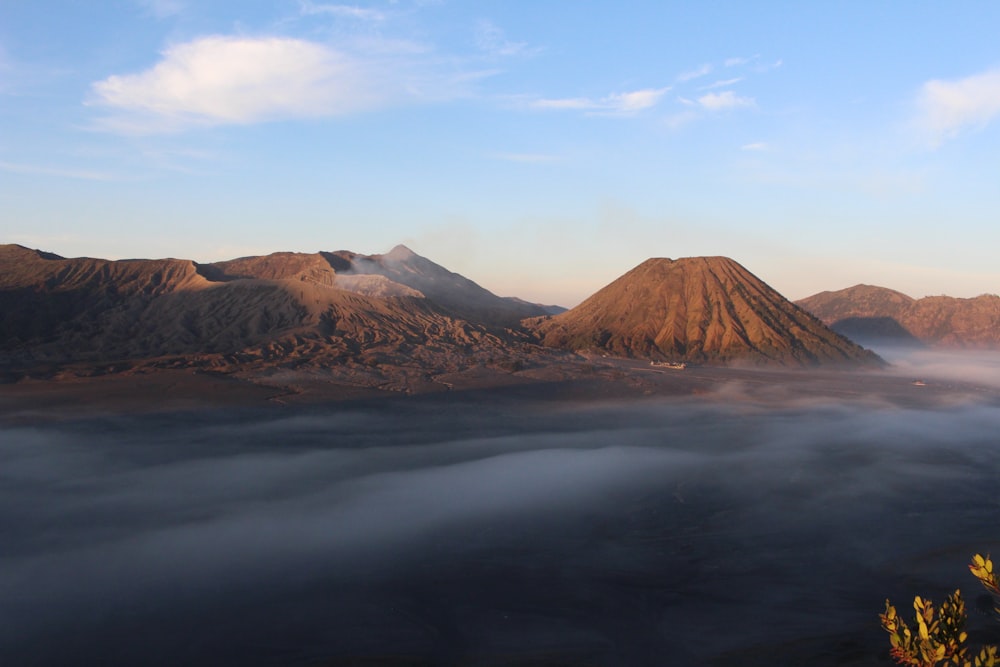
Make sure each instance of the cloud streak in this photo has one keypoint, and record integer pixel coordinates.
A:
(946, 108)
(491, 39)
(614, 104)
(696, 73)
(722, 84)
(342, 11)
(725, 100)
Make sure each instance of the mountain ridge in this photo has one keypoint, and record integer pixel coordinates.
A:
(885, 315)
(392, 321)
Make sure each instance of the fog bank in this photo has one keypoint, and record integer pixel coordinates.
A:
(484, 532)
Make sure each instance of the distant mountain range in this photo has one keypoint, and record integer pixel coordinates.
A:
(393, 321)
(874, 315)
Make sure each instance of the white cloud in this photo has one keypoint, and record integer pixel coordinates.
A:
(724, 100)
(238, 80)
(755, 146)
(733, 62)
(615, 103)
(948, 107)
(695, 73)
(342, 11)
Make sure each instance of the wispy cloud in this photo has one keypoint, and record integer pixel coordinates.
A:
(755, 146)
(218, 80)
(946, 108)
(341, 11)
(61, 172)
(725, 100)
(722, 84)
(491, 39)
(734, 62)
(696, 73)
(615, 103)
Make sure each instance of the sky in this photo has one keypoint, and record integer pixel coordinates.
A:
(539, 148)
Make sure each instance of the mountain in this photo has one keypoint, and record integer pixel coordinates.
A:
(285, 310)
(867, 312)
(698, 309)
(456, 294)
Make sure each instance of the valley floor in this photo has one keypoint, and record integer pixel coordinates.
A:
(594, 378)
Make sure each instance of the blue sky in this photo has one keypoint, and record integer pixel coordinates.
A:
(539, 148)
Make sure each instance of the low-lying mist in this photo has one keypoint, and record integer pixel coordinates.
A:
(488, 531)
(982, 366)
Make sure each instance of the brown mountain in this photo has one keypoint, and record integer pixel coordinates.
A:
(873, 313)
(286, 310)
(698, 309)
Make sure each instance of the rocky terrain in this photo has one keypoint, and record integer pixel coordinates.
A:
(396, 321)
(698, 309)
(870, 313)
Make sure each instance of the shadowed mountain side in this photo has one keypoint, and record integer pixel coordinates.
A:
(941, 321)
(44, 297)
(548, 309)
(699, 309)
(875, 330)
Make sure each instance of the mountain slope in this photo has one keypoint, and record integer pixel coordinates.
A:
(282, 309)
(456, 294)
(699, 309)
(879, 313)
